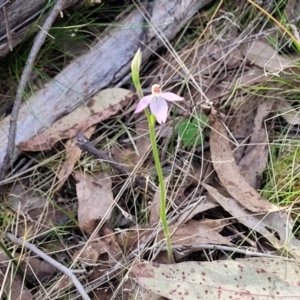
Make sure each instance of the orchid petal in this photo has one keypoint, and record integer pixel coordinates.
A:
(159, 107)
(171, 96)
(144, 102)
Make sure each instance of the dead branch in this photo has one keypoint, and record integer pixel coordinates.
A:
(38, 42)
(84, 144)
(17, 19)
(106, 64)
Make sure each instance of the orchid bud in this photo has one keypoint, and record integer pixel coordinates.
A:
(136, 62)
(135, 72)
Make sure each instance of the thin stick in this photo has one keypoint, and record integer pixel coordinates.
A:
(84, 144)
(53, 262)
(38, 42)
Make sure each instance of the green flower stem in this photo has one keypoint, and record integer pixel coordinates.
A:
(163, 214)
(135, 73)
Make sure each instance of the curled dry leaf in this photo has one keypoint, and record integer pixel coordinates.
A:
(216, 280)
(95, 199)
(103, 105)
(91, 254)
(228, 172)
(72, 155)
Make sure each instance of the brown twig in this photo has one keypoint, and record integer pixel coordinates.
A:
(70, 273)
(38, 42)
(84, 144)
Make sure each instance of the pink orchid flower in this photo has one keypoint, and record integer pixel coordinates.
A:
(157, 102)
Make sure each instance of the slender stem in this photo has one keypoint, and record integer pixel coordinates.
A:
(135, 68)
(163, 214)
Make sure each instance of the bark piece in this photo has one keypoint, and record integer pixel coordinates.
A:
(103, 105)
(21, 15)
(104, 65)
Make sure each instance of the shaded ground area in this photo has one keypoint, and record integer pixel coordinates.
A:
(83, 187)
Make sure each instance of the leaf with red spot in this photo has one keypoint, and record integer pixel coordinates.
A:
(101, 106)
(219, 280)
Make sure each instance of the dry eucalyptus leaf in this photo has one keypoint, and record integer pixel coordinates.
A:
(228, 172)
(90, 255)
(195, 208)
(34, 269)
(72, 155)
(103, 105)
(194, 232)
(133, 237)
(242, 215)
(275, 226)
(263, 55)
(215, 280)
(241, 123)
(288, 112)
(255, 160)
(17, 289)
(95, 199)
(23, 199)
(287, 270)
